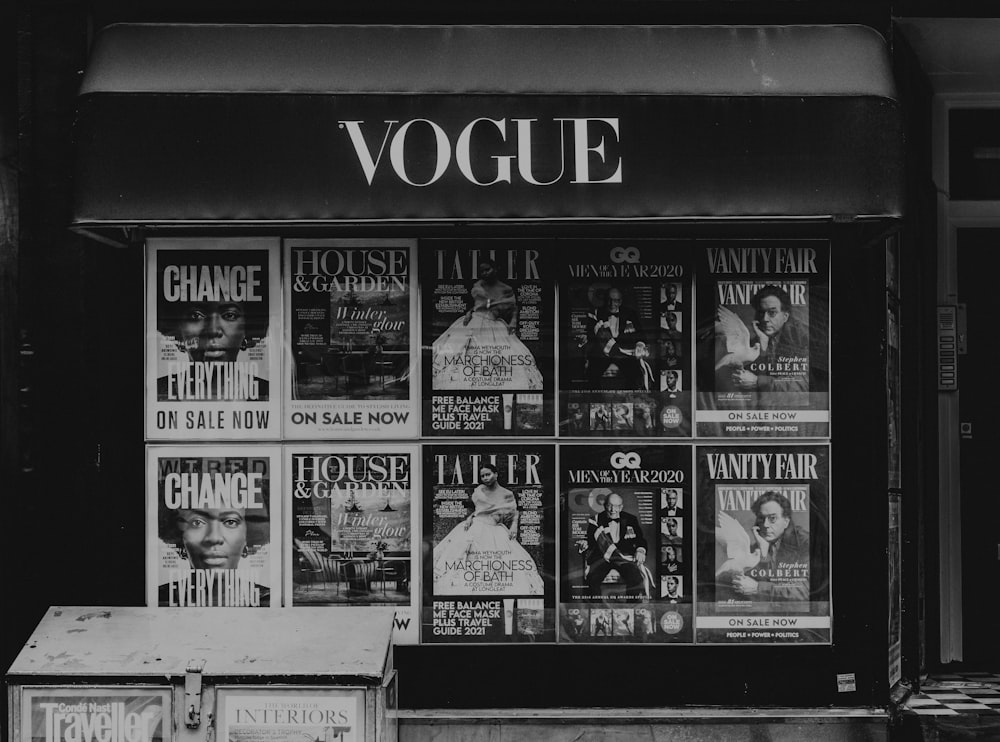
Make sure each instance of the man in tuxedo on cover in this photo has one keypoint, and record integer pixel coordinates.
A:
(615, 541)
(613, 332)
(671, 503)
(670, 301)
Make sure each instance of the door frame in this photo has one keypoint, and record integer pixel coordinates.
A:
(952, 216)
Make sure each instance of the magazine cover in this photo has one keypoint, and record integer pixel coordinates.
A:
(350, 307)
(488, 337)
(763, 544)
(107, 714)
(625, 339)
(763, 338)
(350, 527)
(306, 714)
(213, 319)
(628, 523)
(212, 531)
(489, 554)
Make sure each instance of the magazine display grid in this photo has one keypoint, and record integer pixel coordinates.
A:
(411, 441)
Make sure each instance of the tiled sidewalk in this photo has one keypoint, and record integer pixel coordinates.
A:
(974, 693)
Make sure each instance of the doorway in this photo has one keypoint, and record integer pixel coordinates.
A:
(979, 414)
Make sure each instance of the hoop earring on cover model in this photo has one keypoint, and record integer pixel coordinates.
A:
(246, 551)
(243, 344)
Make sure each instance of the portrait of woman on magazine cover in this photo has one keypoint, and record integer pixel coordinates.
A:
(488, 535)
(214, 540)
(209, 331)
(489, 327)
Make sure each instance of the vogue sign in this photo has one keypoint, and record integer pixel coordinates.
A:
(576, 150)
(392, 157)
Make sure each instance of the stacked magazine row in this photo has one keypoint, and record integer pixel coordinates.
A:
(580, 542)
(269, 339)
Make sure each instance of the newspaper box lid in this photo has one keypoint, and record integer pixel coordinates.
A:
(319, 644)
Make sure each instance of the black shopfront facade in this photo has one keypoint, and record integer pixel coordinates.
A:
(660, 138)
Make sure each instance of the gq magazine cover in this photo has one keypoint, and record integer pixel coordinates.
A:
(625, 339)
(488, 337)
(212, 526)
(489, 533)
(305, 714)
(350, 308)
(763, 334)
(115, 713)
(213, 323)
(351, 530)
(765, 576)
(628, 530)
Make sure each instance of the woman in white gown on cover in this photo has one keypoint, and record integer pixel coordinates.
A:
(490, 534)
(489, 326)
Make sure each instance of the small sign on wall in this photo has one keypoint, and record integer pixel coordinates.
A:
(947, 348)
(846, 682)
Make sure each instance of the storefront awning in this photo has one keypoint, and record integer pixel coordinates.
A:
(301, 125)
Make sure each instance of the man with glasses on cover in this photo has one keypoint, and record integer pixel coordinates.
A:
(783, 364)
(783, 570)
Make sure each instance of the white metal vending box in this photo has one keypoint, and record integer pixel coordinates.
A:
(112, 674)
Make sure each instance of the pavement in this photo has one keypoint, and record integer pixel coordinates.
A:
(952, 707)
(971, 693)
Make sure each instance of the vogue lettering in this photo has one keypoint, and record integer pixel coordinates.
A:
(588, 163)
